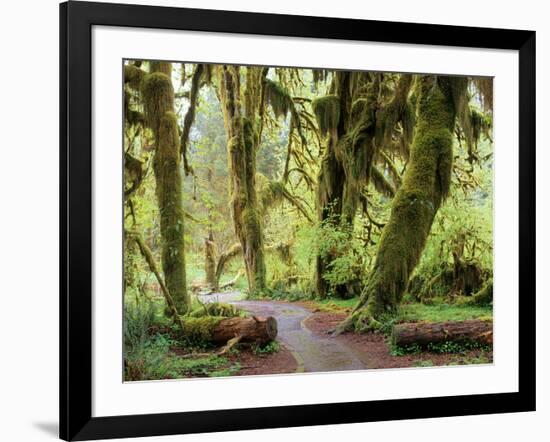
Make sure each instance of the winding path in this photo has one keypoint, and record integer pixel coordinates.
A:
(313, 353)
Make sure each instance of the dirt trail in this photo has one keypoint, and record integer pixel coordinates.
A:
(313, 353)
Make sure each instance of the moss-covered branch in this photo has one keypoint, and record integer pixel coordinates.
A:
(190, 115)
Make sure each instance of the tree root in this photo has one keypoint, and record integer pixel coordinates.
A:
(362, 320)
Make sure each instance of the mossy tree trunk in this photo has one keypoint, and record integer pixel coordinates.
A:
(210, 260)
(425, 185)
(243, 125)
(158, 97)
(209, 245)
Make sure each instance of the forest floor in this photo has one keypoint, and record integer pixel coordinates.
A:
(306, 344)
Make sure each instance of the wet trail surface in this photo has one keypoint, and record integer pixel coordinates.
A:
(314, 353)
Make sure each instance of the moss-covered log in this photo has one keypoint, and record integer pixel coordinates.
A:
(242, 144)
(425, 333)
(425, 185)
(158, 97)
(219, 330)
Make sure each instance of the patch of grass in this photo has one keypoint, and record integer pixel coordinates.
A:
(417, 312)
(228, 371)
(270, 347)
(482, 358)
(337, 303)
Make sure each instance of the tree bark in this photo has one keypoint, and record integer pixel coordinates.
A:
(209, 260)
(425, 185)
(423, 333)
(218, 330)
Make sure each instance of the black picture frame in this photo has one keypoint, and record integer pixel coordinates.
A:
(76, 21)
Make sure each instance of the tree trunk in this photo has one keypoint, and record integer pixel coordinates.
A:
(242, 142)
(424, 333)
(425, 185)
(219, 330)
(209, 260)
(158, 96)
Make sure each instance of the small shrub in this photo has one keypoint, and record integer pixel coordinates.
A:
(269, 348)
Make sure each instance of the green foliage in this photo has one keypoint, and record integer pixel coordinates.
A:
(138, 320)
(344, 252)
(450, 164)
(439, 347)
(456, 347)
(412, 349)
(269, 348)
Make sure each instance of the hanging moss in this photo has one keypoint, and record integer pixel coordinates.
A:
(381, 183)
(425, 186)
(485, 87)
(133, 76)
(358, 110)
(396, 111)
(272, 193)
(319, 75)
(243, 139)
(278, 97)
(162, 67)
(327, 113)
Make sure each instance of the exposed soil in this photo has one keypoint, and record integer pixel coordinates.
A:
(374, 345)
(257, 364)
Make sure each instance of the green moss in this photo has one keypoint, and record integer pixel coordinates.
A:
(216, 309)
(133, 76)
(327, 113)
(158, 98)
(484, 296)
(166, 166)
(425, 184)
(199, 330)
(278, 97)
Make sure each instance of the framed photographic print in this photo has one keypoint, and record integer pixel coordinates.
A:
(272, 220)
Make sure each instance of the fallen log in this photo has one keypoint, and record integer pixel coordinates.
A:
(424, 333)
(219, 330)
